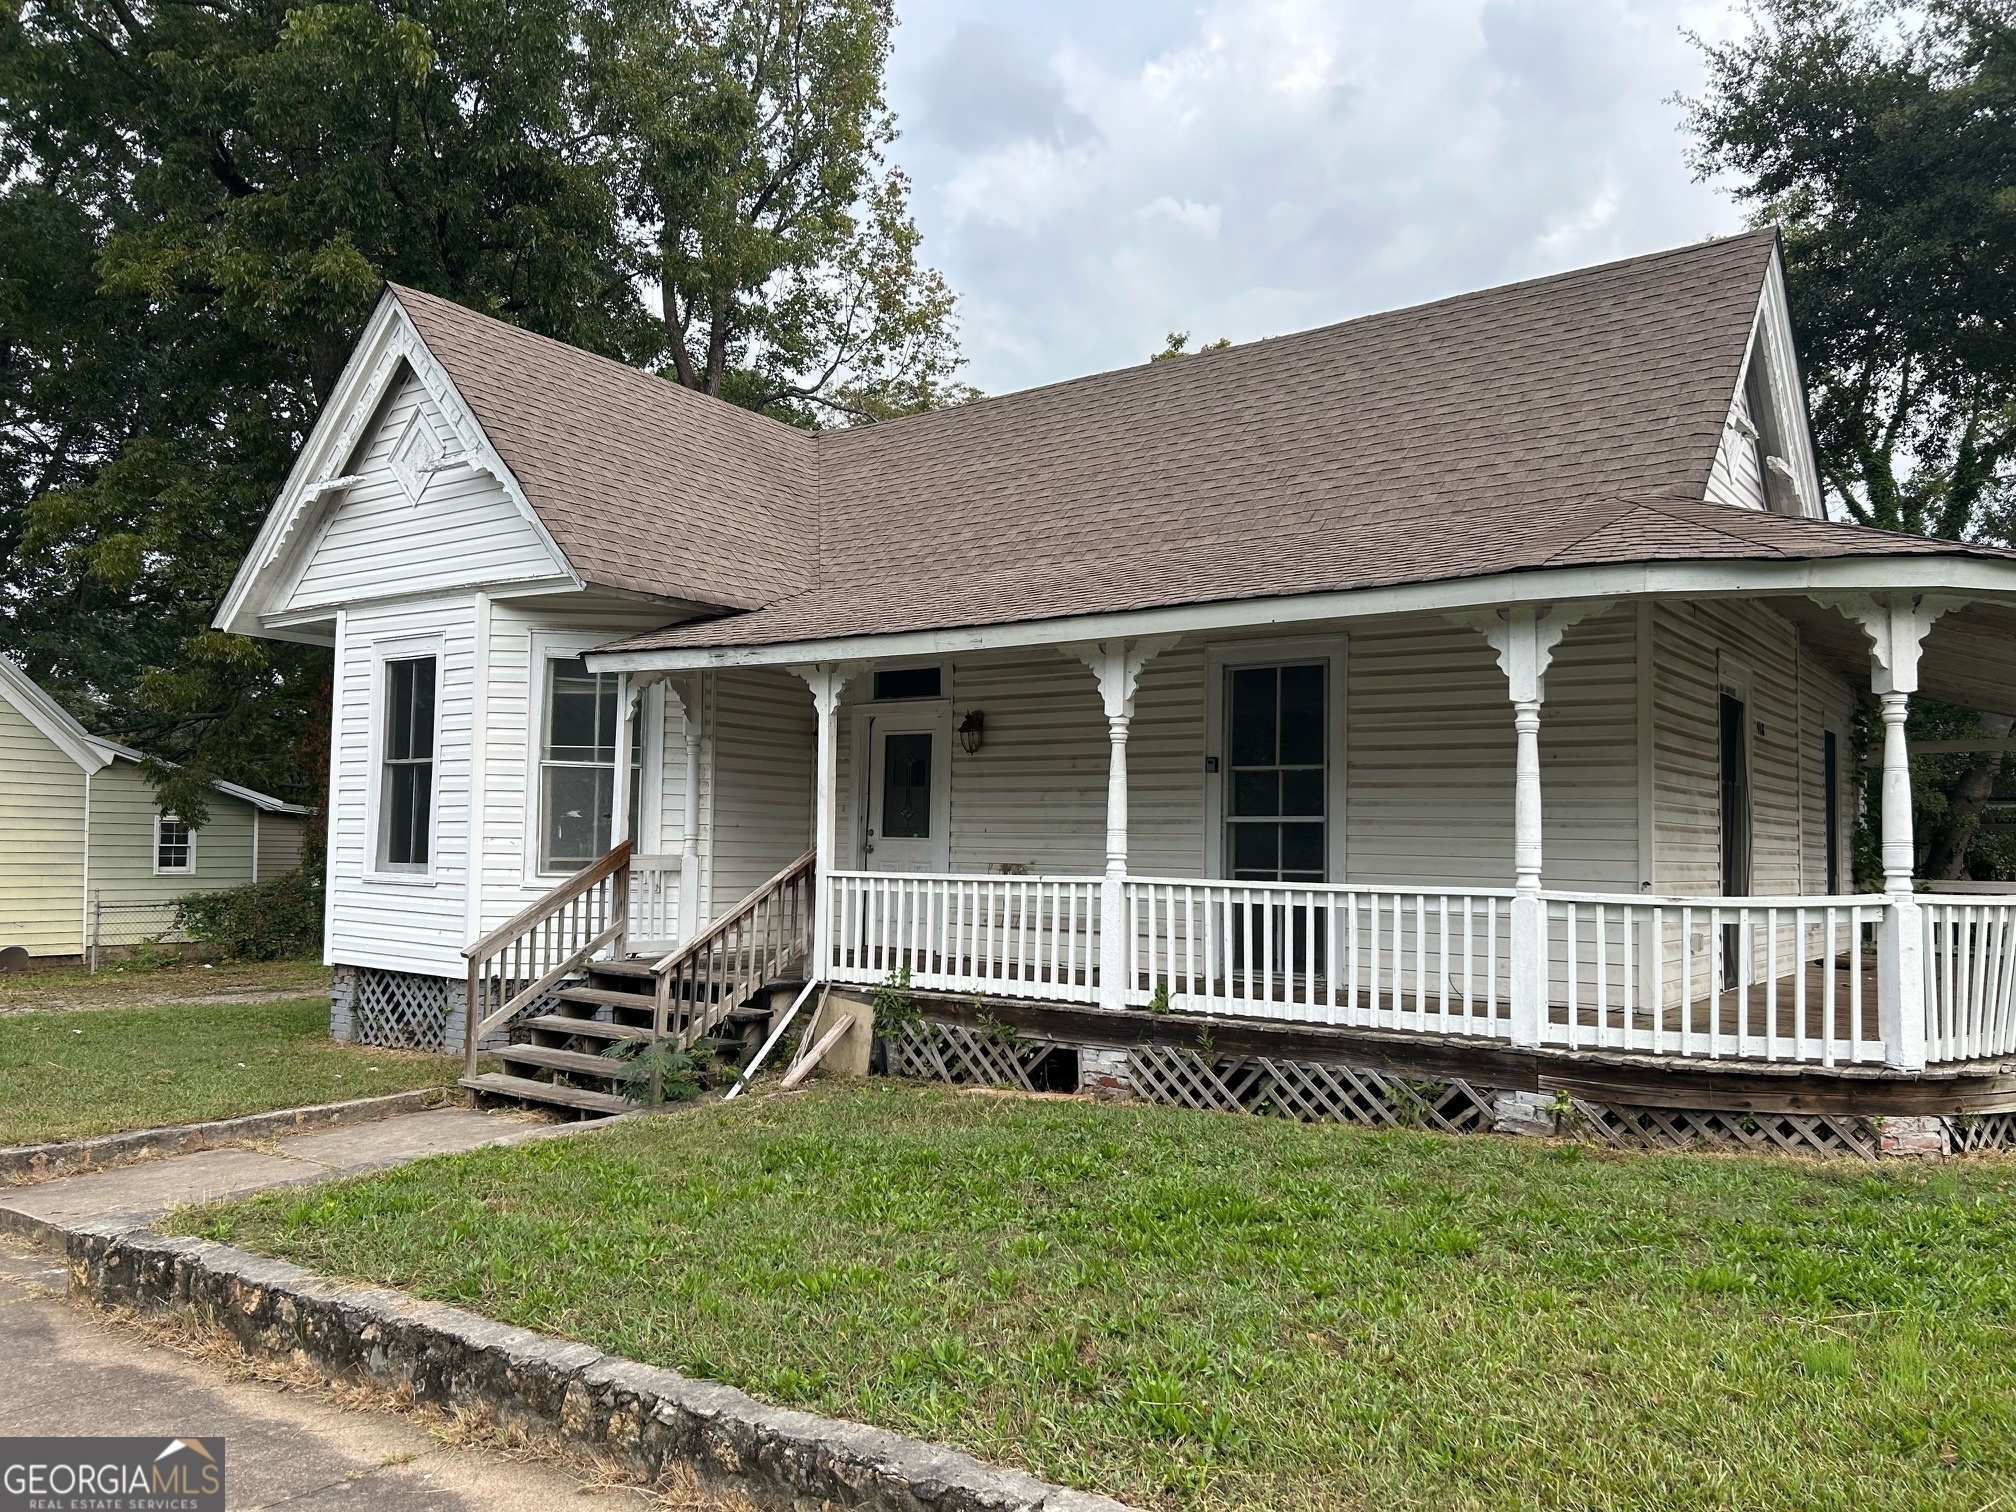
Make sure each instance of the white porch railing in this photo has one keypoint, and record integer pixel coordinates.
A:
(1434, 961)
(1015, 936)
(1970, 977)
(654, 903)
(1794, 979)
(1775, 979)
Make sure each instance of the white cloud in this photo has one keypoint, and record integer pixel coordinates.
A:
(1091, 178)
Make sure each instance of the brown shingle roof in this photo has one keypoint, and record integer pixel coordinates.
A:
(645, 485)
(1570, 420)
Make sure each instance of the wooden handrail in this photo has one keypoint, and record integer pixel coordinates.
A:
(734, 916)
(566, 892)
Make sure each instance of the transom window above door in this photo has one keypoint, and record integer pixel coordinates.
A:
(577, 767)
(1277, 773)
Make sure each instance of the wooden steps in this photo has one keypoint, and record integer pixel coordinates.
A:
(527, 1089)
(603, 997)
(587, 1028)
(573, 1062)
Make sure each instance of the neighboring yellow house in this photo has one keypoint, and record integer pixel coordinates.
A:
(86, 838)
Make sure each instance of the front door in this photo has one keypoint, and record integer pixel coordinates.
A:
(908, 792)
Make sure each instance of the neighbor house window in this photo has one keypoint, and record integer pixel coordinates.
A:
(174, 845)
(577, 766)
(1277, 773)
(407, 796)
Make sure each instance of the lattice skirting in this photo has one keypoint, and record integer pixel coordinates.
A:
(1306, 1091)
(403, 1010)
(1312, 1092)
(967, 1057)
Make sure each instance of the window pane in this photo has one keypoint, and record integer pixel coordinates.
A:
(580, 713)
(1255, 852)
(1256, 793)
(408, 789)
(575, 803)
(409, 709)
(1301, 716)
(906, 786)
(1302, 792)
(907, 682)
(1302, 852)
(171, 852)
(1252, 721)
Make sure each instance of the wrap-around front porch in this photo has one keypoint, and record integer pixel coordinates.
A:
(1805, 973)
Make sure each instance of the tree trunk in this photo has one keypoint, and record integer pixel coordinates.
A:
(1948, 857)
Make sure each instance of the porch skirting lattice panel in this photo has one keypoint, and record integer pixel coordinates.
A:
(400, 1010)
(1329, 1092)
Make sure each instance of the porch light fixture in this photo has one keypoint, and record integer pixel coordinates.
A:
(970, 730)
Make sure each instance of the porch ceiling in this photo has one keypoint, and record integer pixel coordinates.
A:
(1969, 658)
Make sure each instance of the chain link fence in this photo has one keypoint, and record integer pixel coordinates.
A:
(121, 926)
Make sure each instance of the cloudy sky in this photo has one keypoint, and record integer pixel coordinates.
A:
(1094, 174)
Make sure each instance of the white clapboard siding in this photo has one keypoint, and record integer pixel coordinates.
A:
(1692, 641)
(763, 764)
(464, 530)
(404, 925)
(1429, 731)
(514, 711)
(1735, 478)
(1826, 703)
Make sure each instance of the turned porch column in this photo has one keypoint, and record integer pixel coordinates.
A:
(1524, 638)
(828, 681)
(689, 820)
(1117, 665)
(1897, 627)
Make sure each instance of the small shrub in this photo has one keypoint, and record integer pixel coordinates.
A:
(681, 1074)
(261, 921)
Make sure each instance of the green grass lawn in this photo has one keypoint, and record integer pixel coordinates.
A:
(1206, 1311)
(68, 1075)
(127, 983)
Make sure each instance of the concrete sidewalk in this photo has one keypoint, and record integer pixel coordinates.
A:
(65, 1371)
(147, 1190)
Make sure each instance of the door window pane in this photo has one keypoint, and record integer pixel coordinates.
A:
(1275, 723)
(906, 786)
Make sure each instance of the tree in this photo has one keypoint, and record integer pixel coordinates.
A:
(1881, 138)
(746, 141)
(1179, 346)
(202, 203)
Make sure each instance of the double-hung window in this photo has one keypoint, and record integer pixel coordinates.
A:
(174, 845)
(406, 797)
(577, 766)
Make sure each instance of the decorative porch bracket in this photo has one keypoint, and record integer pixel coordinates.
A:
(1524, 639)
(1897, 626)
(1117, 664)
(828, 682)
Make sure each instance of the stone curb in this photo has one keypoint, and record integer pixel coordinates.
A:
(645, 1418)
(22, 1164)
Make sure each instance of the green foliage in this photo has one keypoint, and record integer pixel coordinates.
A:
(1204, 1312)
(662, 1070)
(199, 207)
(895, 1008)
(1877, 135)
(1159, 1002)
(71, 1075)
(745, 142)
(261, 921)
(1179, 346)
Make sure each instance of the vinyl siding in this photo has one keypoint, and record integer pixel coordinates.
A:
(400, 924)
(760, 814)
(280, 837)
(376, 541)
(123, 807)
(1735, 478)
(42, 864)
(1698, 647)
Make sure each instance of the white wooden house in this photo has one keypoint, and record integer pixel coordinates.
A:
(1466, 691)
